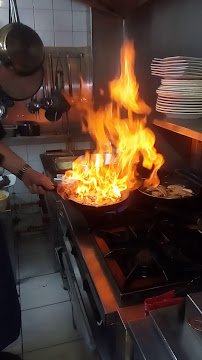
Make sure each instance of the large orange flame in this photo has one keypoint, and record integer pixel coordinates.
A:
(107, 175)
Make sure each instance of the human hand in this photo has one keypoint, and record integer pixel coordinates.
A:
(36, 182)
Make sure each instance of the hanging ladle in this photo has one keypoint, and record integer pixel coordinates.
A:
(46, 100)
(59, 104)
(51, 114)
(34, 105)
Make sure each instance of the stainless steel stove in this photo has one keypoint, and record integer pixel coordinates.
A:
(146, 252)
(111, 262)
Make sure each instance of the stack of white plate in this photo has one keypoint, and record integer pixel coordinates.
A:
(180, 92)
(177, 67)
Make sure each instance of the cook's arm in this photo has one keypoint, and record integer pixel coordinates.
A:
(36, 182)
(10, 161)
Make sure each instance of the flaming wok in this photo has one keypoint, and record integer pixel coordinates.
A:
(68, 188)
(96, 180)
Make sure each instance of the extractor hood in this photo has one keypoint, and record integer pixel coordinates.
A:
(118, 7)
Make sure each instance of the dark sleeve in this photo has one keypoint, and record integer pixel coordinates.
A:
(2, 132)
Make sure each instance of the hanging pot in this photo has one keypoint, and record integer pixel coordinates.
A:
(19, 87)
(20, 46)
(21, 52)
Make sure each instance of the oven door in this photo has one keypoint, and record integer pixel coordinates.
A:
(80, 319)
(106, 339)
(100, 338)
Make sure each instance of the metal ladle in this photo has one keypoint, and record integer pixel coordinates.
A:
(33, 105)
(3, 111)
(46, 100)
(52, 113)
(59, 104)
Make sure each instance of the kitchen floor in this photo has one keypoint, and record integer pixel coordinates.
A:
(47, 328)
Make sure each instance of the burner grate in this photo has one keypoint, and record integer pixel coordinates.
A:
(143, 260)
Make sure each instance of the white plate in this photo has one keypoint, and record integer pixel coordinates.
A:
(178, 59)
(180, 82)
(176, 66)
(179, 108)
(182, 66)
(175, 75)
(181, 91)
(184, 77)
(180, 97)
(180, 88)
(12, 179)
(179, 69)
(189, 102)
(177, 111)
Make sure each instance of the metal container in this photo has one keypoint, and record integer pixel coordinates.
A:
(21, 48)
(10, 130)
(28, 128)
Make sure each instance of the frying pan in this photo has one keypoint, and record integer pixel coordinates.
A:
(102, 208)
(88, 209)
(175, 180)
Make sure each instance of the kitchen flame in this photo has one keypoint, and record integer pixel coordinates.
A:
(105, 177)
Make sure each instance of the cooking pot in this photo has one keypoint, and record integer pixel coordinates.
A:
(21, 55)
(28, 128)
(21, 47)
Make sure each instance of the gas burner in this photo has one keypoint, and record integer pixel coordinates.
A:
(147, 254)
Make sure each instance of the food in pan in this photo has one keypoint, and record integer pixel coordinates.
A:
(169, 191)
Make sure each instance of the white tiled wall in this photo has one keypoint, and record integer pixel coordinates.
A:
(58, 22)
(31, 154)
(19, 194)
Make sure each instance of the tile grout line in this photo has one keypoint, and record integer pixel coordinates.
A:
(52, 346)
(33, 277)
(39, 307)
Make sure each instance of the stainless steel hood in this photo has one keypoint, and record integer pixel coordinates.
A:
(118, 7)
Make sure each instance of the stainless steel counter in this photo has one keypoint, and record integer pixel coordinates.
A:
(46, 139)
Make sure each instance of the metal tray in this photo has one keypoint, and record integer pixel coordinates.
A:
(63, 163)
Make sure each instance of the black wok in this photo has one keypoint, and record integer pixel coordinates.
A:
(89, 209)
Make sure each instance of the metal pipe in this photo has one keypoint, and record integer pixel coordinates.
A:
(69, 76)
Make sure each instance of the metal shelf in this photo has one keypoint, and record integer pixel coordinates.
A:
(189, 128)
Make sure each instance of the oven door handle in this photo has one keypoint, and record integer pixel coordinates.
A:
(59, 255)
